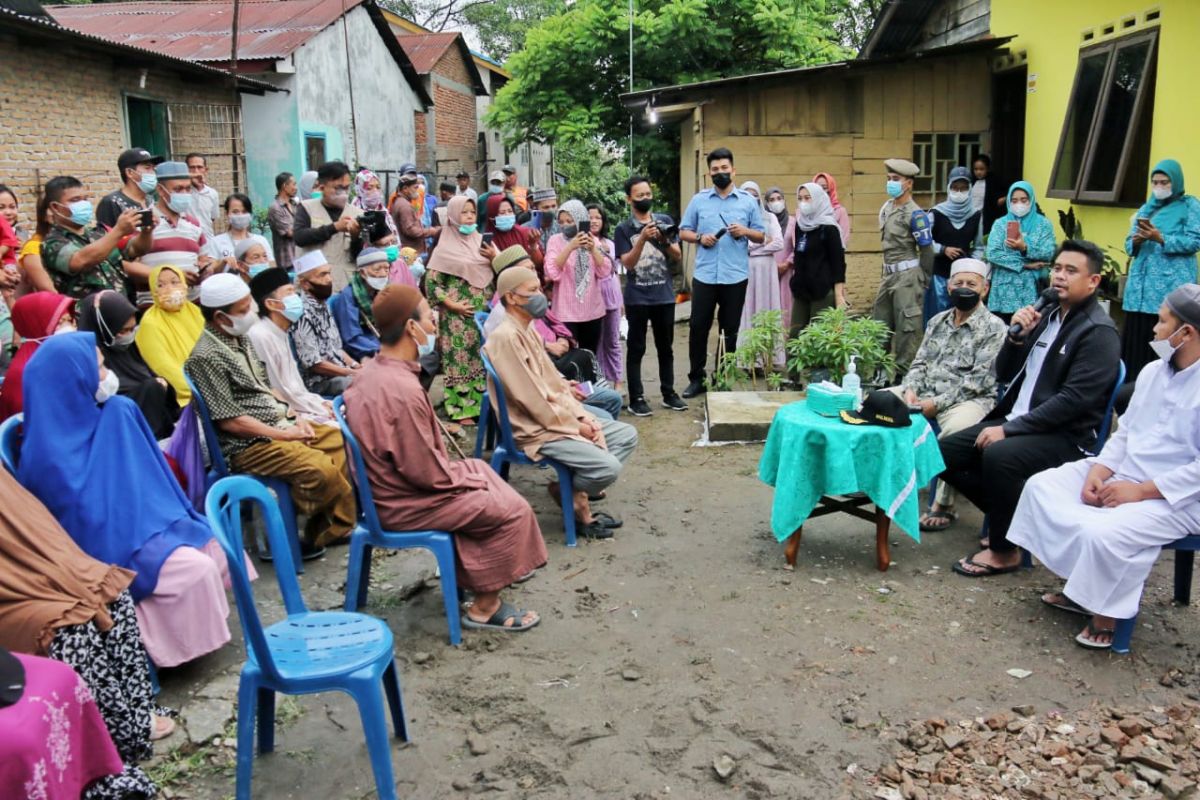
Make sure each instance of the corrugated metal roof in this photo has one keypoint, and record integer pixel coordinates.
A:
(199, 31)
(426, 49)
(48, 27)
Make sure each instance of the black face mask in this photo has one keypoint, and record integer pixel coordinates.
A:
(642, 206)
(321, 291)
(964, 299)
(722, 180)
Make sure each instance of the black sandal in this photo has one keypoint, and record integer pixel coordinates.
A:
(1090, 630)
(987, 569)
(496, 621)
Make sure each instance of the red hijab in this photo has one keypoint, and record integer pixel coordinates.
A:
(34, 317)
(832, 190)
(503, 240)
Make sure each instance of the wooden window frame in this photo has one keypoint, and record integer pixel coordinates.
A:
(1078, 193)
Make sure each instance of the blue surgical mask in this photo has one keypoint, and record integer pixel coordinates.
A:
(293, 307)
(148, 182)
(424, 349)
(180, 202)
(505, 222)
(467, 230)
(393, 252)
(316, 195)
(257, 269)
(895, 188)
(82, 212)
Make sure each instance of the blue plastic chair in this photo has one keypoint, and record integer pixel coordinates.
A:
(485, 433)
(369, 533)
(1185, 550)
(507, 452)
(219, 469)
(305, 653)
(10, 442)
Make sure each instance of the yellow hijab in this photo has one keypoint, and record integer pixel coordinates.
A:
(166, 338)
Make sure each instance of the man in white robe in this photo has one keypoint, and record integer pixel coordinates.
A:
(1101, 523)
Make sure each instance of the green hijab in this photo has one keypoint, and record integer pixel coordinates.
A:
(1170, 212)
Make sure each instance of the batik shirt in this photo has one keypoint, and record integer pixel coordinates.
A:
(316, 339)
(955, 362)
(58, 248)
(233, 383)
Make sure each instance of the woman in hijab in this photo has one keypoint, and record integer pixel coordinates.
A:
(83, 447)
(762, 287)
(777, 205)
(502, 224)
(58, 602)
(35, 317)
(368, 195)
(1019, 245)
(170, 329)
(829, 186)
(819, 260)
(459, 280)
(112, 319)
(957, 233)
(608, 356)
(304, 187)
(575, 263)
(1163, 241)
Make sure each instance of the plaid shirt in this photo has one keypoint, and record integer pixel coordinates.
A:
(317, 339)
(58, 248)
(233, 383)
(956, 362)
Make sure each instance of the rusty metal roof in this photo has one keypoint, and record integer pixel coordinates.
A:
(426, 49)
(199, 30)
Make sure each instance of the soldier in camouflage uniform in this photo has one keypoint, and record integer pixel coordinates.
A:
(907, 262)
(80, 258)
(952, 376)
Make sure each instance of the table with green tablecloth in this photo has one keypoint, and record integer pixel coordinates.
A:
(822, 465)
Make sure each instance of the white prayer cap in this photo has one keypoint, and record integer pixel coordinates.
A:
(243, 246)
(309, 261)
(222, 290)
(971, 265)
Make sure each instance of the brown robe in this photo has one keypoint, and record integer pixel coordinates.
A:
(417, 487)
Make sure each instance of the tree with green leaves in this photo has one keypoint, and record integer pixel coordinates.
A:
(501, 27)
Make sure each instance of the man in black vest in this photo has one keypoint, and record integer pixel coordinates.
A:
(1060, 370)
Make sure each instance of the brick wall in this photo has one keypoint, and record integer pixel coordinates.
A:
(62, 112)
(423, 155)
(457, 125)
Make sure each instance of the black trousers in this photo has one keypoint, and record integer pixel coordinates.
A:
(993, 478)
(588, 333)
(661, 318)
(706, 297)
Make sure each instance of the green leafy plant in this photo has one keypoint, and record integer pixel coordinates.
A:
(835, 335)
(755, 354)
(1116, 263)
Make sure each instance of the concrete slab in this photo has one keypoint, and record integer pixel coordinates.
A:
(744, 416)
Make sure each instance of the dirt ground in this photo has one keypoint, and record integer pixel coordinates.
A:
(680, 641)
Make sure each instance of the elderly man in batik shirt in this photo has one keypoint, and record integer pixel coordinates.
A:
(952, 378)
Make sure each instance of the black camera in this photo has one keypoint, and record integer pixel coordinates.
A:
(374, 225)
(669, 231)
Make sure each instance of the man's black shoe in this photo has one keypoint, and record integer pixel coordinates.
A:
(639, 407)
(594, 530)
(694, 389)
(673, 402)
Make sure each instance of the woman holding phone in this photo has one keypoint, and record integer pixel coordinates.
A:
(1163, 240)
(575, 264)
(1019, 245)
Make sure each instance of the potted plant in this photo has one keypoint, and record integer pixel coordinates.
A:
(823, 349)
(755, 355)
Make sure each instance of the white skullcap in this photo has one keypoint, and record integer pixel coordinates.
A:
(309, 261)
(971, 265)
(223, 289)
(243, 247)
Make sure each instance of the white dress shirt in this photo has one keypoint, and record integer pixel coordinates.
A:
(1033, 364)
(275, 351)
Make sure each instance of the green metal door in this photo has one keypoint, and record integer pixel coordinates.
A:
(147, 125)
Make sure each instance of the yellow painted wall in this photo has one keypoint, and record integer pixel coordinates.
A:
(1050, 35)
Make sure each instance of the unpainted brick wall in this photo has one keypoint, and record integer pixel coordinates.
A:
(457, 126)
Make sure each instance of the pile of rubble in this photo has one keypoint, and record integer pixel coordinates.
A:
(1102, 752)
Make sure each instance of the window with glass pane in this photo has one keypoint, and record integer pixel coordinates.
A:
(1105, 134)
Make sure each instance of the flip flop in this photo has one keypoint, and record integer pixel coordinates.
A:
(607, 520)
(950, 518)
(988, 569)
(525, 577)
(1090, 630)
(1067, 604)
(506, 611)
(594, 530)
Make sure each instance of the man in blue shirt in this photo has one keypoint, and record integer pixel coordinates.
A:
(723, 221)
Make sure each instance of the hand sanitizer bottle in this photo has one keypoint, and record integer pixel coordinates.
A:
(852, 383)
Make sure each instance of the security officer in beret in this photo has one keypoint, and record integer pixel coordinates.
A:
(907, 262)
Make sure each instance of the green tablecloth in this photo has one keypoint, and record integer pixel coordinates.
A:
(808, 456)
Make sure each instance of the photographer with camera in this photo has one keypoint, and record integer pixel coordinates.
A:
(722, 266)
(648, 245)
(330, 224)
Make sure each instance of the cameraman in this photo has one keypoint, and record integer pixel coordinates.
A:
(647, 245)
(329, 223)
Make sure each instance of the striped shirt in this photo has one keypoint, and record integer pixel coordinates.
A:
(180, 245)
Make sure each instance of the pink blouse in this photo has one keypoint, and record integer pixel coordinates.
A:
(567, 307)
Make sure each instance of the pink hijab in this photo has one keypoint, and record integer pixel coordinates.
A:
(458, 254)
(832, 191)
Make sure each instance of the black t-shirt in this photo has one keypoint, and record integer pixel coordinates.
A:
(649, 282)
(115, 204)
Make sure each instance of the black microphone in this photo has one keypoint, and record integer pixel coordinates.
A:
(1046, 299)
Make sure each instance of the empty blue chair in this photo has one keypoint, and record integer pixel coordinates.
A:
(219, 469)
(485, 434)
(10, 442)
(369, 533)
(305, 653)
(507, 452)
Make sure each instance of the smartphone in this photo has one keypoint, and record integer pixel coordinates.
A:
(147, 217)
(585, 388)
(1014, 230)
(487, 239)
(1143, 222)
